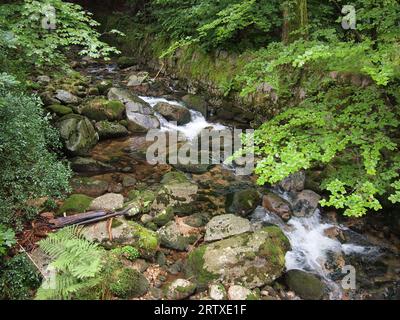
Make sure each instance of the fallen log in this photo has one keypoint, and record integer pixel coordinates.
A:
(86, 218)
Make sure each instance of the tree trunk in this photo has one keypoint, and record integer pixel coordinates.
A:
(295, 20)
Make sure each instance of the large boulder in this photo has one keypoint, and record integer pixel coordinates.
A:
(132, 102)
(109, 130)
(77, 133)
(124, 233)
(305, 203)
(197, 103)
(250, 259)
(243, 202)
(293, 183)
(141, 123)
(102, 109)
(274, 203)
(225, 226)
(108, 202)
(307, 285)
(171, 112)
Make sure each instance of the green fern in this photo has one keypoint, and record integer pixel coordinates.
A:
(77, 261)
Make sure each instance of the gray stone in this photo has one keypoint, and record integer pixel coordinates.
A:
(238, 293)
(225, 226)
(141, 123)
(306, 203)
(294, 182)
(137, 79)
(178, 236)
(109, 130)
(243, 202)
(171, 112)
(66, 97)
(108, 202)
(180, 289)
(308, 286)
(217, 292)
(89, 165)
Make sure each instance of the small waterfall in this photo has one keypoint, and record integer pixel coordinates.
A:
(190, 130)
(311, 247)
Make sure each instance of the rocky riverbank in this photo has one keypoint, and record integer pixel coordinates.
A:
(202, 232)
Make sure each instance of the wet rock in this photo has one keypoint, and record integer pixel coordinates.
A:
(102, 109)
(178, 236)
(180, 289)
(197, 103)
(293, 183)
(136, 79)
(243, 202)
(225, 226)
(276, 204)
(89, 165)
(217, 292)
(110, 130)
(60, 110)
(66, 97)
(252, 259)
(128, 283)
(108, 202)
(124, 233)
(78, 134)
(132, 102)
(140, 123)
(306, 203)
(176, 113)
(89, 186)
(76, 203)
(308, 286)
(239, 293)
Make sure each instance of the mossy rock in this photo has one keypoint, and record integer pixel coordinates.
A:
(93, 91)
(308, 286)
(173, 237)
(145, 240)
(128, 283)
(89, 186)
(165, 216)
(59, 109)
(109, 130)
(76, 203)
(174, 177)
(180, 289)
(104, 85)
(102, 109)
(141, 200)
(250, 259)
(196, 102)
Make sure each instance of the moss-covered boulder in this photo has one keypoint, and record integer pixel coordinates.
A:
(59, 109)
(140, 201)
(243, 202)
(110, 130)
(78, 134)
(172, 112)
(128, 283)
(307, 285)
(103, 86)
(76, 203)
(179, 289)
(250, 259)
(125, 62)
(225, 226)
(196, 102)
(102, 109)
(90, 165)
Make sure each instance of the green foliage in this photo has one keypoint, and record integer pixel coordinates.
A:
(18, 278)
(128, 252)
(7, 239)
(77, 262)
(348, 122)
(30, 168)
(33, 44)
